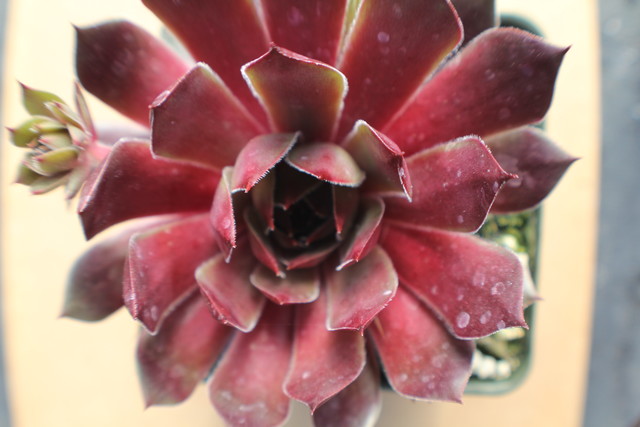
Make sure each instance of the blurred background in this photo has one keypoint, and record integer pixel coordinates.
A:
(586, 357)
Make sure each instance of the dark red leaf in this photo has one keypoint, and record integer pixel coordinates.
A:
(356, 294)
(298, 93)
(357, 405)
(133, 184)
(298, 287)
(474, 286)
(454, 186)
(172, 363)
(538, 163)
(207, 26)
(323, 362)
(230, 294)
(392, 47)
(125, 67)
(246, 387)
(420, 358)
(327, 162)
(476, 16)
(501, 80)
(161, 267)
(312, 28)
(200, 120)
(381, 160)
(259, 157)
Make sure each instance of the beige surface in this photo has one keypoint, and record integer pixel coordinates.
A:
(70, 374)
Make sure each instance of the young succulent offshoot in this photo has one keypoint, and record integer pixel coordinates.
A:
(61, 143)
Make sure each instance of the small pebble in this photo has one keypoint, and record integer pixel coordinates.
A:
(487, 368)
(503, 369)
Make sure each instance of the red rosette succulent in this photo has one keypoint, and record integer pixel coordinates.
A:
(311, 186)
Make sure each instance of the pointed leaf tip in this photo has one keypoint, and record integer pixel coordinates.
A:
(298, 287)
(299, 93)
(357, 294)
(35, 100)
(259, 157)
(327, 162)
(161, 186)
(227, 287)
(538, 163)
(246, 386)
(454, 186)
(474, 286)
(436, 366)
(173, 362)
(503, 79)
(381, 159)
(364, 234)
(198, 23)
(200, 120)
(161, 265)
(224, 209)
(391, 49)
(358, 405)
(94, 287)
(323, 362)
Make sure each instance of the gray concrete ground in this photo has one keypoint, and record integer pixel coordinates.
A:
(4, 407)
(614, 377)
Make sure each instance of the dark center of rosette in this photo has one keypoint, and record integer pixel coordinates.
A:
(309, 219)
(299, 227)
(298, 199)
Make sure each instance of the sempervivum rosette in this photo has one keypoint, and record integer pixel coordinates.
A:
(310, 188)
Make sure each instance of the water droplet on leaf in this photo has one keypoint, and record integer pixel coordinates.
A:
(462, 320)
(383, 37)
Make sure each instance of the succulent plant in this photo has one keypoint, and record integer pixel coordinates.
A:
(303, 214)
(62, 144)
